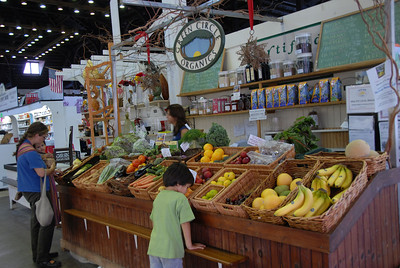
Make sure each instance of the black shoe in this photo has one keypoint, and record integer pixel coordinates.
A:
(53, 255)
(50, 264)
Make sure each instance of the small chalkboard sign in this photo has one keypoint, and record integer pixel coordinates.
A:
(345, 40)
(207, 79)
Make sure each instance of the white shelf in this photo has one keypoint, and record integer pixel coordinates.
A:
(314, 131)
(23, 126)
(39, 116)
(23, 119)
(157, 103)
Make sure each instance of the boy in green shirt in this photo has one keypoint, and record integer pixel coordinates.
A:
(171, 212)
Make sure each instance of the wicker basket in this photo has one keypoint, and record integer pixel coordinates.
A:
(328, 220)
(231, 151)
(66, 178)
(250, 182)
(153, 190)
(297, 169)
(208, 205)
(144, 193)
(119, 186)
(89, 178)
(287, 155)
(374, 164)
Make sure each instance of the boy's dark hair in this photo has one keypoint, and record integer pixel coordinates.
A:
(177, 173)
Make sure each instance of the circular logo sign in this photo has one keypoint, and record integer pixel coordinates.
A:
(199, 45)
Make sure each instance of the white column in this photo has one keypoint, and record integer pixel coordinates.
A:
(116, 31)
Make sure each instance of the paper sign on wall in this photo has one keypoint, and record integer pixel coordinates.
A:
(258, 114)
(255, 141)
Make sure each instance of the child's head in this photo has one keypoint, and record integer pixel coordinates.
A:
(40, 147)
(178, 174)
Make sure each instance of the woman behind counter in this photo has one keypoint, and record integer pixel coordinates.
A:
(176, 116)
(31, 169)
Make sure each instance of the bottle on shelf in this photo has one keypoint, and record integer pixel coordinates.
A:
(250, 74)
(264, 72)
(314, 115)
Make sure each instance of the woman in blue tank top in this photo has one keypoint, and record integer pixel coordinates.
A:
(176, 116)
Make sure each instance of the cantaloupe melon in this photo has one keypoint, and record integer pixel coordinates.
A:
(357, 148)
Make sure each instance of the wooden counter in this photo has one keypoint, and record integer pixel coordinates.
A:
(368, 235)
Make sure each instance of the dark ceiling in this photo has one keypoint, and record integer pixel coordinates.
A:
(75, 35)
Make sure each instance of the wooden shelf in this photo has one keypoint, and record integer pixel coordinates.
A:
(273, 109)
(288, 79)
(327, 130)
(157, 103)
(99, 82)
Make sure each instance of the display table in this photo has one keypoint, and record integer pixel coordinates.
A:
(367, 235)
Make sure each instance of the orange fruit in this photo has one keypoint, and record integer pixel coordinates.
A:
(208, 146)
(284, 179)
(205, 159)
(216, 156)
(219, 151)
(208, 153)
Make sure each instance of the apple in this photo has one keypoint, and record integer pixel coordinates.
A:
(245, 160)
(205, 169)
(238, 161)
(207, 174)
(243, 154)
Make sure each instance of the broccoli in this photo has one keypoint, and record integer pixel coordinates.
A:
(217, 136)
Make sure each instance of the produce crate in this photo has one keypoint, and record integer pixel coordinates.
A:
(249, 183)
(231, 151)
(119, 186)
(153, 190)
(144, 193)
(68, 174)
(297, 169)
(286, 155)
(208, 205)
(327, 221)
(374, 164)
(213, 169)
(88, 179)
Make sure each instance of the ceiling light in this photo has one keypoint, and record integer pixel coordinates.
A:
(20, 52)
(33, 42)
(107, 15)
(24, 3)
(76, 11)
(63, 32)
(26, 35)
(3, 1)
(29, 45)
(2, 26)
(36, 58)
(121, 6)
(23, 49)
(10, 33)
(46, 52)
(36, 39)
(71, 36)
(25, 57)
(62, 42)
(34, 29)
(50, 49)
(90, 1)
(7, 50)
(92, 13)
(18, 27)
(42, 6)
(40, 36)
(49, 30)
(60, 9)
(13, 57)
(66, 39)
(58, 45)
(54, 47)
(76, 33)
(2, 56)
(43, 54)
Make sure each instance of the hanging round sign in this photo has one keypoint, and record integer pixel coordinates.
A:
(199, 45)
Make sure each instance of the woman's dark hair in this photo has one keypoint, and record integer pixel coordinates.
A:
(177, 111)
(33, 129)
(177, 173)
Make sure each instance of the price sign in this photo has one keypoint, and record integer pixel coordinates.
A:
(257, 114)
(255, 141)
(236, 93)
(194, 174)
(152, 142)
(185, 146)
(166, 152)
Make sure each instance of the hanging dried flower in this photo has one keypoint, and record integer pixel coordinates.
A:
(251, 53)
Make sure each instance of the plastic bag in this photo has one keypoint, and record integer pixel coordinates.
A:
(275, 148)
(140, 146)
(114, 152)
(126, 142)
(261, 159)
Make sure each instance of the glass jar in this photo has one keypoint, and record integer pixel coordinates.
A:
(202, 106)
(303, 43)
(209, 107)
(232, 78)
(250, 74)
(223, 79)
(304, 63)
(289, 68)
(194, 108)
(240, 77)
(276, 68)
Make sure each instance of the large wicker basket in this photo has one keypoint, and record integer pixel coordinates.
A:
(68, 174)
(328, 220)
(249, 183)
(119, 186)
(231, 151)
(208, 205)
(374, 164)
(89, 178)
(153, 190)
(297, 169)
(287, 155)
(144, 193)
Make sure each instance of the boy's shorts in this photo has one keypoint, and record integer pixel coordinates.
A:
(157, 262)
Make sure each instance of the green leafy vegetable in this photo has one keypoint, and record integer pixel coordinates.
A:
(300, 135)
(217, 136)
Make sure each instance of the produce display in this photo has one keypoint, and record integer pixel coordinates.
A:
(211, 155)
(243, 158)
(205, 174)
(210, 194)
(238, 200)
(225, 180)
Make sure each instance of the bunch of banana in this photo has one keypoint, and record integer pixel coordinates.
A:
(300, 206)
(338, 196)
(339, 176)
(320, 182)
(321, 203)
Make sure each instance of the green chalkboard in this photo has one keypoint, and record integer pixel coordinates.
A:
(345, 40)
(204, 80)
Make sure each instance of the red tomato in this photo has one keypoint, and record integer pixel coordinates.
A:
(136, 163)
(142, 159)
(130, 169)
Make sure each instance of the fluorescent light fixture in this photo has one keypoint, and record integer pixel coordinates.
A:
(34, 29)
(25, 57)
(63, 32)
(71, 36)
(50, 49)
(10, 33)
(107, 15)
(36, 58)
(60, 9)
(33, 42)
(13, 57)
(26, 35)
(42, 6)
(19, 52)
(2, 26)
(90, 1)
(29, 45)
(54, 47)
(46, 52)
(76, 33)
(18, 27)
(3, 1)
(66, 39)
(7, 50)
(62, 42)
(1, 56)
(92, 13)
(76, 11)
(43, 54)
(121, 6)
(23, 49)
(48, 30)
(36, 39)
(40, 36)
(57, 45)
(24, 3)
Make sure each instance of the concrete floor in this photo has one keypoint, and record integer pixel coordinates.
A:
(15, 251)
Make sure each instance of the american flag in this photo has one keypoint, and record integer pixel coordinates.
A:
(55, 81)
